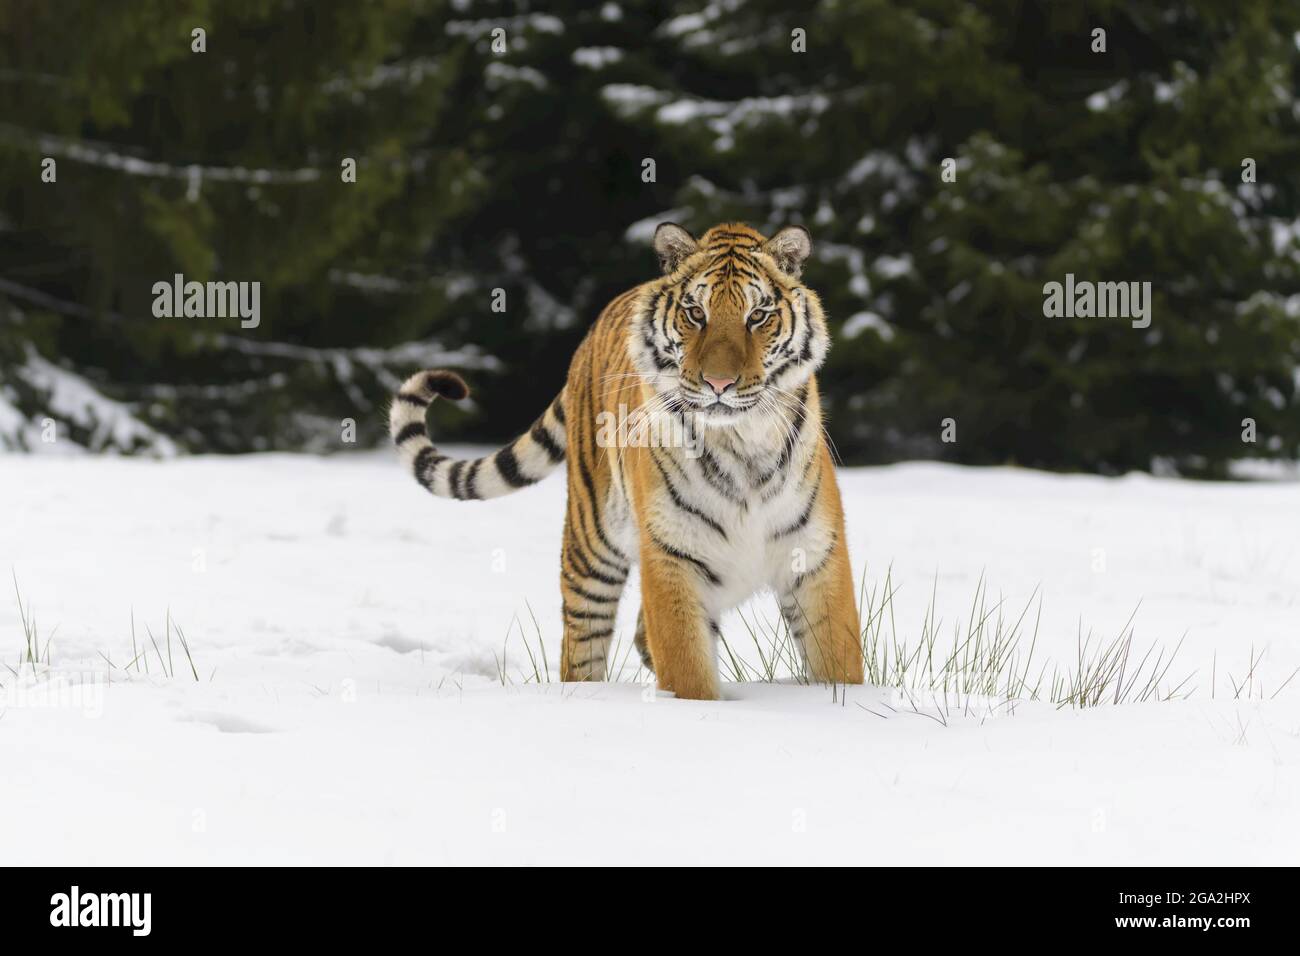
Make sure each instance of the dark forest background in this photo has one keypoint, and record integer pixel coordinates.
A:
(522, 170)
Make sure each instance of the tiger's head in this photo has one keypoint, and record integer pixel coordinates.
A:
(730, 328)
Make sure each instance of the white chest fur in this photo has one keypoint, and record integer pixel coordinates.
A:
(745, 506)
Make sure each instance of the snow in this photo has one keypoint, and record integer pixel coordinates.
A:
(500, 75)
(514, 26)
(629, 98)
(687, 23)
(723, 118)
(876, 164)
(642, 232)
(695, 29)
(427, 354)
(71, 399)
(1103, 100)
(892, 267)
(597, 57)
(346, 630)
(859, 322)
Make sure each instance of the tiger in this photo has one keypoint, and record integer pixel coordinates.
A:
(724, 345)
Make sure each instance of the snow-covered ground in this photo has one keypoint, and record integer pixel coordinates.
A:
(347, 630)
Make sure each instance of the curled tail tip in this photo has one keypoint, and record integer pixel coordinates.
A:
(438, 382)
(447, 384)
(406, 414)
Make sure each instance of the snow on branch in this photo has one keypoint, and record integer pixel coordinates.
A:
(378, 361)
(106, 157)
(70, 414)
(344, 360)
(722, 117)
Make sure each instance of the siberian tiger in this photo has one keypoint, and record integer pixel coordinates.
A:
(724, 344)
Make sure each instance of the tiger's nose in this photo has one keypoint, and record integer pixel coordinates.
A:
(719, 384)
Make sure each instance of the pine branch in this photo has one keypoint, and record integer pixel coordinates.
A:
(408, 354)
(106, 157)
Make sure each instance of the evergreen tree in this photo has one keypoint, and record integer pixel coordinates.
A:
(1115, 157)
(227, 163)
(502, 197)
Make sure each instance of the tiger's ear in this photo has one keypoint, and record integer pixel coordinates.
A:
(790, 247)
(673, 244)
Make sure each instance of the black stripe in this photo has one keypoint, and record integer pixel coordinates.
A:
(651, 315)
(661, 363)
(683, 505)
(593, 553)
(585, 473)
(807, 513)
(589, 596)
(588, 485)
(792, 437)
(794, 327)
(591, 636)
(805, 354)
(471, 480)
(422, 461)
(812, 460)
(584, 567)
(776, 373)
(589, 554)
(588, 615)
(720, 480)
(677, 466)
(408, 432)
(415, 400)
(557, 409)
(453, 479)
(682, 555)
(800, 625)
(835, 535)
(746, 463)
(543, 437)
(508, 465)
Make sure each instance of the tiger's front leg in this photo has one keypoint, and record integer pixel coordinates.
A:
(677, 630)
(820, 610)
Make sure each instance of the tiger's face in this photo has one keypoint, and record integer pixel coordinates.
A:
(731, 329)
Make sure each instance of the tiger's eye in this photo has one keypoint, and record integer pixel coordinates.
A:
(696, 313)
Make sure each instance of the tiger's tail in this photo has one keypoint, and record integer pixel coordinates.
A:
(526, 460)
